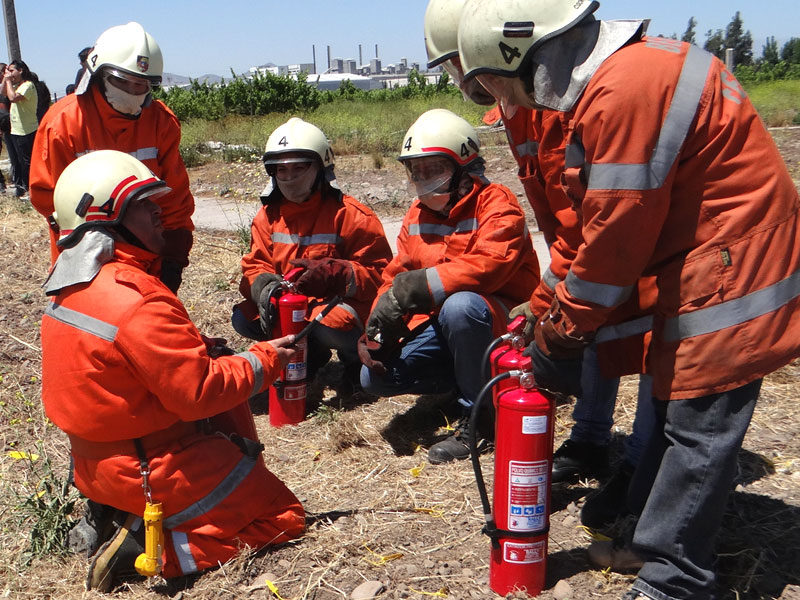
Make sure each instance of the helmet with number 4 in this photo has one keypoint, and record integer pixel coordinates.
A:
(441, 132)
(94, 190)
(498, 37)
(128, 50)
(297, 135)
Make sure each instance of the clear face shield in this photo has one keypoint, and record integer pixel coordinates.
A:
(429, 179)
(470, 89)
(509, 92)
(295, 176)
(126, 93)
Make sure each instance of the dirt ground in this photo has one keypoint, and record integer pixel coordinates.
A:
(377, 511)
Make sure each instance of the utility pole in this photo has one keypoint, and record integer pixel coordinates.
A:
(12, 37)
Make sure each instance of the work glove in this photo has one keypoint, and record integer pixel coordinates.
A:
(524, 310)
(562, 376)
(260, 291)
(325, 277)
(412, 293)
(552, 336)
(369, 353)
(217, 346)
(386, 323)
(171, 275)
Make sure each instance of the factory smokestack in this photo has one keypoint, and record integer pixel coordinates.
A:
(329, 58)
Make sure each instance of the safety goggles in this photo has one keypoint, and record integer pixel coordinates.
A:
(132, 84)
(428, 174)
(471, 89)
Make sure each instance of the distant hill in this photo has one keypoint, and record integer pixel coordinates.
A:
(171, 79)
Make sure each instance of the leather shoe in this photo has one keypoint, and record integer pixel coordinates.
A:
(574, 460)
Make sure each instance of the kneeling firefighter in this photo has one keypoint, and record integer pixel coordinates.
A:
(464, 258)
(155, 412)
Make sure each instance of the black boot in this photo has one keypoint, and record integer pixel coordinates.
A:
(610, 502)
(574, 460)
(116, 559)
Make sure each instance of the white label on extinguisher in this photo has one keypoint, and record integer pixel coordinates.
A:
(534, 425)
(527, 495)
(296, 370)
(523, 553)
(298, 315)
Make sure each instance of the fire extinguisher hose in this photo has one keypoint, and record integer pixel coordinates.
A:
(486, 362)
(475, 455)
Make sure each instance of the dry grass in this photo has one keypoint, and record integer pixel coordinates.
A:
(376, 509)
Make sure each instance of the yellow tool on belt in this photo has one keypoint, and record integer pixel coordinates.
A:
(149, 562)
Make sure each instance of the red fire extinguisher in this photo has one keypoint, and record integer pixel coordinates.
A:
(287, 396)
(519, 525)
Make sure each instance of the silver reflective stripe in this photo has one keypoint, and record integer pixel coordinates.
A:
(80, 321)
(733, 312)
(145, 153)
(527, 148)
(673, 133)
(442, 230)
(140, 154)
(215, 496)
(306, 240)
(550, 279)
(258, 370)
(436, 286)
(624, 330)
(180, 543)
(603, 294)
(352, 311)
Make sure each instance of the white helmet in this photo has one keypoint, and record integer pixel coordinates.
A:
(441, 43)
(497, 37)
(441, 30)
(128, 49)
(297, 135)
(94, 190)
(441, 132)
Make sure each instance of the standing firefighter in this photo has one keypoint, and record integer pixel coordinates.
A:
(112, 109)
(464, 257)
(145, 399)
(674, 176)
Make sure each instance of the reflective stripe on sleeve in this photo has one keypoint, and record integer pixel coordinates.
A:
(603, 294)
(306, 240)
(733, 312)
(550, 279)
(673, 133)
(436, 286)
(258, 370)
(624, 330)
(180, 543)
(81, 321)
(217, 495)
(527, 148)
(150, 153)
(442, 230)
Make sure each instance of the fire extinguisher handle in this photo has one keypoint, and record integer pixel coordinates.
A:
(307, 329)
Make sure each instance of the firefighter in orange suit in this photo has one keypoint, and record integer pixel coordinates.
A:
(537, 140)
(307, 222)
(464, 258)
(144, 398)
(674, 176)
(112, 109)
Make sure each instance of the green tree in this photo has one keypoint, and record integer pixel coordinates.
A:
(739, 40)
(715, 43)
(689, 34)
(769, 54)
(791, 51)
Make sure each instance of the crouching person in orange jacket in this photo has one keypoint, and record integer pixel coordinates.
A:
(146, 400)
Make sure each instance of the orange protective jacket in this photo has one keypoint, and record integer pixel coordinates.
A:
(537, 139)
(324, 226)
(78, 124)
(482, 245)
(121, 360)
(677, 178)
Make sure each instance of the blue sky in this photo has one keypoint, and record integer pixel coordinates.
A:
(199, 37)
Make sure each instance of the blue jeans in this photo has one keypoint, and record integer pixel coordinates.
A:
(594, 409)
(446, 356)
(321, 339)
(681, 487)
